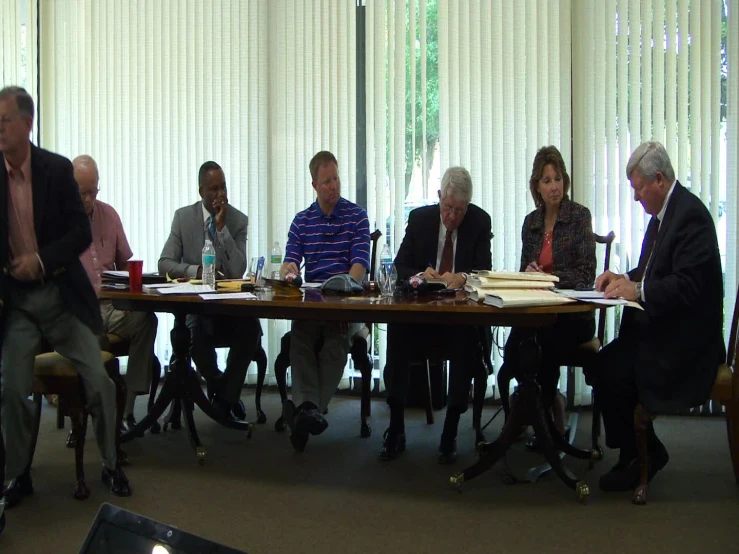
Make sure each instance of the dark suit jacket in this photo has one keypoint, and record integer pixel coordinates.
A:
(679, 335)
(573, 245)
(62, 232)
(421, 242)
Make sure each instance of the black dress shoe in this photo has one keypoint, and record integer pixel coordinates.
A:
(298, 436)
(309, 416)
(18, 488)
(238, 410)
(117, 481)
(393, 445)
(447, 452)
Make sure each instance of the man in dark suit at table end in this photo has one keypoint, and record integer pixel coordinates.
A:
(446, 240)
(666, 356)
(226, 227)
(45, 293)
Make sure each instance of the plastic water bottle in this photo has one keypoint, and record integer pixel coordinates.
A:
(275, 260)
(209, 265)
(387, 271)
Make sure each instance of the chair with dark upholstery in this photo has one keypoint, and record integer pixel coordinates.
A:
(361, 354)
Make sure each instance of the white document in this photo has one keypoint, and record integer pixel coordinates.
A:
(311, 285)
(580, 294)
(186, 288)
(116, 274)
(155, 286)
(229, 296)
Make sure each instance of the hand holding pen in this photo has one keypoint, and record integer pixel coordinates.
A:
(431, 273)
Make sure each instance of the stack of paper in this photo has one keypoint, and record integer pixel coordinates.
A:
(508, 289)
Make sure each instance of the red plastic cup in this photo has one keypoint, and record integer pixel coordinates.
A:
(135, 267)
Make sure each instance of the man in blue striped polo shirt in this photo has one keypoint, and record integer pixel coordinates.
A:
(333, 238)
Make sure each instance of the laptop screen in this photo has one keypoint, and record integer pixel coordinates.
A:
(118, 531)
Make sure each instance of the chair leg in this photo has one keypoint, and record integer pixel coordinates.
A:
(260, 358)
(156, 375)
(364, 362)
(281, 364)
(478, 400)
(642, 426)
(59, 417)
(732, 428)
(503, 380)
(595, 431)
(79, 424)
(427, 388)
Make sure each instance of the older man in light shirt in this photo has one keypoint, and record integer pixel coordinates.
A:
(110, 251)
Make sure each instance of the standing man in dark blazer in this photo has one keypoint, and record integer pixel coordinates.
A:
(447, 240)
(666, 356)
(45, 293)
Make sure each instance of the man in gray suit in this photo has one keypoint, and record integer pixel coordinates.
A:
(226, 227)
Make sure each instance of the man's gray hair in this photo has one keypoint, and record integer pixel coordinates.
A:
(650, 158)
(457, 183)
(86, 162)
(22, 98)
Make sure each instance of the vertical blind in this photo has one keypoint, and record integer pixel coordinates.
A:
(504, 92)
(150, 96)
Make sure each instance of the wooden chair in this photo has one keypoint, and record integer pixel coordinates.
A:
(55, 374)
(725, 390)
(361, 354)
(435, 363)
(118, 347)
(585, 355)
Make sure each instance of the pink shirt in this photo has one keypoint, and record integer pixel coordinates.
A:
(22, 234)
(109, 249)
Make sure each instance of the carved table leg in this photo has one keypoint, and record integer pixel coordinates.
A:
(192, 432)
(260, 359)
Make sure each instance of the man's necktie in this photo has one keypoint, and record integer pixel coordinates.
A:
(447, 255)
(650, 237)
(212, 229)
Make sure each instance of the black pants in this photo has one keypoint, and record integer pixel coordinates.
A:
(555, 342)
(616, 392)
(240, 334)
(411, 342)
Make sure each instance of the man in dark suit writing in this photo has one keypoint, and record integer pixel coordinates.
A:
(45, 293)
(445, 241)
(666, 355)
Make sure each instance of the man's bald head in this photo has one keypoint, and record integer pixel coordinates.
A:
(87, 176)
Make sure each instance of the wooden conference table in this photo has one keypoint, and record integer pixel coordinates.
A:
(287, 302)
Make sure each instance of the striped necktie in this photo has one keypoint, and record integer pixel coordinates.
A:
(211, 226)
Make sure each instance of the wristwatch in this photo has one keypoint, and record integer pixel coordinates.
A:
(639, 296)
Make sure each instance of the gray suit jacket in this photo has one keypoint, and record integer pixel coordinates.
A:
(182, 253)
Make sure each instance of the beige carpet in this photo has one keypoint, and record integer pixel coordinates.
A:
(259, 496)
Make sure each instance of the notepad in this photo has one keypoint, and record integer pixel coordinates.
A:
(229, 296)
(186, 288)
